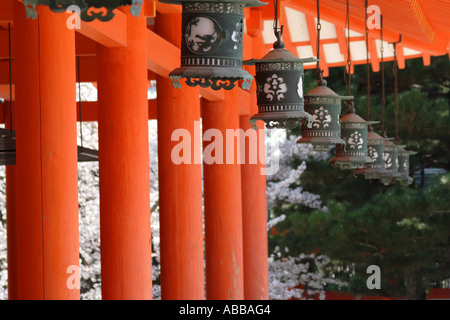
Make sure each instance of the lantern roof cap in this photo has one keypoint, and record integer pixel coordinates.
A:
(406, 152)
(247, 3)
(388, 142)
(279, 54)
(322, 90)
(372, 135)
(351, 116)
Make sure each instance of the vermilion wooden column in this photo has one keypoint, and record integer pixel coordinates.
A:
(180, 185)
(254, 203)
(46, 169)
(124, 167)
(11, 216)
(254, 222)
(223, 210)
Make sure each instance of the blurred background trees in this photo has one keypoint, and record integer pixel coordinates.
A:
(405, 231)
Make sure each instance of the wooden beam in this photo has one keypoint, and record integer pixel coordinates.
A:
(422, 20)
(312, 29)
(89, 110)
(245, 102)
(286, 32)
(162, 56)
(374, 55)
(110, 34)
(400, 56)
(358, 24)
(426, 59)
(343, 47)
(165, 8)
(4, 92)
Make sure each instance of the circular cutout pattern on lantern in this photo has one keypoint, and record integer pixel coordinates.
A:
(203, 35)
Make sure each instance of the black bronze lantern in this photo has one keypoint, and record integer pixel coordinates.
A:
(325, 107)
(354, 130)
(375, 150)
(279, 81)
(89, 9)
(391, 161)
(211, 45)
(403, 167)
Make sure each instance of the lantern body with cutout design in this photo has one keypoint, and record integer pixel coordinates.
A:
(403, 167)
(353, 155)
(375, 150)
(211, 44)
(391, 162)
(325, 107)
(279, 81)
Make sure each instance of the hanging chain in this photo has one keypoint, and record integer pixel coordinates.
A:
(383, 92)
(278, 31)
(395, 69)
(368, 66)
(319, 28)
(349, 61)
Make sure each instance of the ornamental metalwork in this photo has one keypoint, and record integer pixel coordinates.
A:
(89, 9)
(325, 107)
(212, 45)
(354, 131)
(279, 88)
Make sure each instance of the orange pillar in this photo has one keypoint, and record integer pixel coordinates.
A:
(180, 184)
(46, 157)
(254, 222)
(124, 167)
(254, 202)
(223, 210)
(11, 224)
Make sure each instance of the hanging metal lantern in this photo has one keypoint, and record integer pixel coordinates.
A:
(279, 81)
(391, 161)
(354, 130)
(375, 150)
(325, 107)
(89, 9)
(211, 46)
(403, 167)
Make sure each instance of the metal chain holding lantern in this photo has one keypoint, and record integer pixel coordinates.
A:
(375, 143)
(89, 9)
(391, 149)
(211, 46)
(325, 107)
(354, 129)
(402, 175)
(279, 81)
